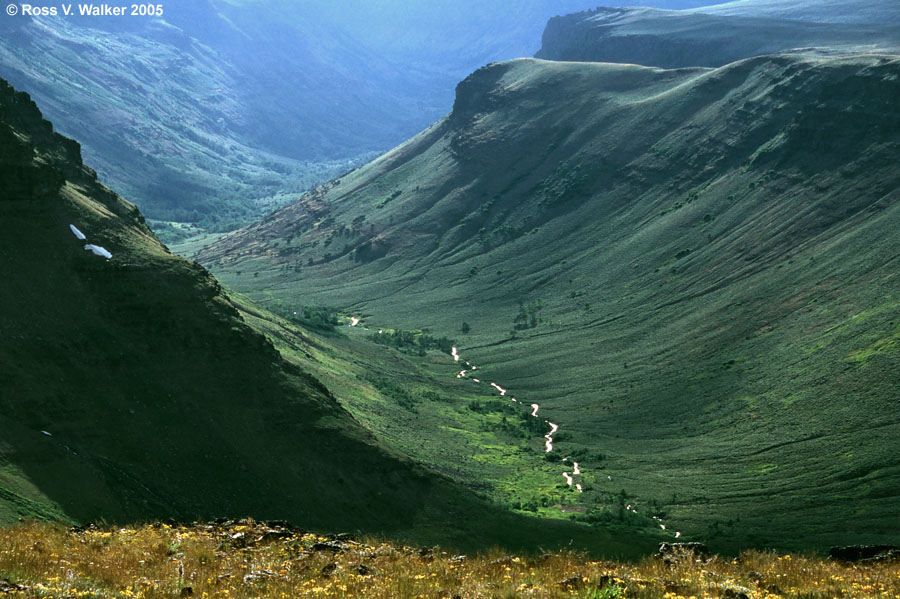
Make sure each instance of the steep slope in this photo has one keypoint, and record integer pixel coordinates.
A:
(193, 103)
(672, 39)
(131, 388)
(706, 255)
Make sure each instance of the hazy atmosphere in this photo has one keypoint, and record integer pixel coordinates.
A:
(543, 298)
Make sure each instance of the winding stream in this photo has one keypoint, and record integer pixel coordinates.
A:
(548, 438)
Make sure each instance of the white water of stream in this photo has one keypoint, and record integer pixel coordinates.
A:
(548, 438)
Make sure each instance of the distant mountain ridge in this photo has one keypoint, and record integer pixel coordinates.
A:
(715, 36)
(817, 11)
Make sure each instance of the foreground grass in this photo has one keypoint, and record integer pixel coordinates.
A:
(246, 559)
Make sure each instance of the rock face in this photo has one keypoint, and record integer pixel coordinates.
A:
(674, 39)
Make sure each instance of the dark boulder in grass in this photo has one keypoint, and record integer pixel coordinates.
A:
(671, 552)
(862, 553)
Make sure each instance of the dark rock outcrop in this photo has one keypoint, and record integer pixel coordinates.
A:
(862, 553)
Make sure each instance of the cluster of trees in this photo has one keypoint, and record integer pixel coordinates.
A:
(394, 391)
(413, 342)
(319, 318)
(528, 316)
(516, 421)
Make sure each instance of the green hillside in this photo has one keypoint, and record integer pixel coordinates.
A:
(132, 389)
(692, 271)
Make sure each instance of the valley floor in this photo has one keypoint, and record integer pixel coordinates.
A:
(248, 559)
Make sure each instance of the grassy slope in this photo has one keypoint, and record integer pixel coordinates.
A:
(472, 435)
(712, 250)
(160, 401)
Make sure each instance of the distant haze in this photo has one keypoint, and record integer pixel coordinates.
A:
(216, 112)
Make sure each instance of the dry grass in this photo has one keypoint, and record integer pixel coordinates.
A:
(256, 561)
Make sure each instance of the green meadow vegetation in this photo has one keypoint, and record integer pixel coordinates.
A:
(474, 436)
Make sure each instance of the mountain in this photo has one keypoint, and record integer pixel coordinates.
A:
(190, 125)
(715, 36)
(132, 388)
(184, 114)
(691, 270)
(819, 11)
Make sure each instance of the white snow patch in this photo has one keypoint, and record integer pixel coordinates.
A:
(98, 251)
(78, 233)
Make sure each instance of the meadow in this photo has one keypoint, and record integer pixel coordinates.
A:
(246, 559)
